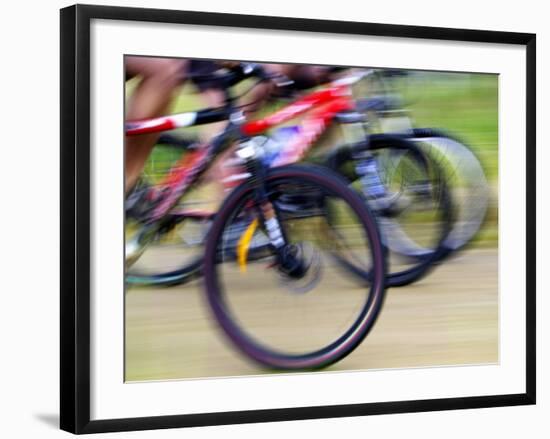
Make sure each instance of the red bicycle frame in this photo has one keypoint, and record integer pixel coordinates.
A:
(322, 105)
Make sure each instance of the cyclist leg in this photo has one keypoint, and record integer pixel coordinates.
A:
(160, 78)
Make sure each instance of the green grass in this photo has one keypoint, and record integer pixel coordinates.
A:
(466, 105)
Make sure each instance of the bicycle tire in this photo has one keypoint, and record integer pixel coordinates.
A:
(142, 274)
(372, 305)
(471, 214)
(425, 261)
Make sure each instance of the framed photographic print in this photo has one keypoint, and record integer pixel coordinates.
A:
(268, 218)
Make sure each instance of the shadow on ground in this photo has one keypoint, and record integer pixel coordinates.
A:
(50, 419)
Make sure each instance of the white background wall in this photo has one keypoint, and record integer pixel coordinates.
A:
(29, 217)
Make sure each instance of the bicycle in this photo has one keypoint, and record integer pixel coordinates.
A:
(266, 200)
(464, 173)
(328, 105)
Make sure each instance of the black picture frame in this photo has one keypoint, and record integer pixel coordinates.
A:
(75, 217)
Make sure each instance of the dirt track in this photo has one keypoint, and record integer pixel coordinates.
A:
(450, 317)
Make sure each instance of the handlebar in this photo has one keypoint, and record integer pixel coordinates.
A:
(228, 77)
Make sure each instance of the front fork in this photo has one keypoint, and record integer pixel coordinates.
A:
(289, 256)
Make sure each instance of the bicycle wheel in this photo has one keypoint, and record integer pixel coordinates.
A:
(409, 195)
(169, 255)
(466, 180)
(290, 319)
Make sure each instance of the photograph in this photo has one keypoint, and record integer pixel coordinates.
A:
(290, 218)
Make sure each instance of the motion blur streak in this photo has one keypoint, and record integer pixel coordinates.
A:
(449, 316)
